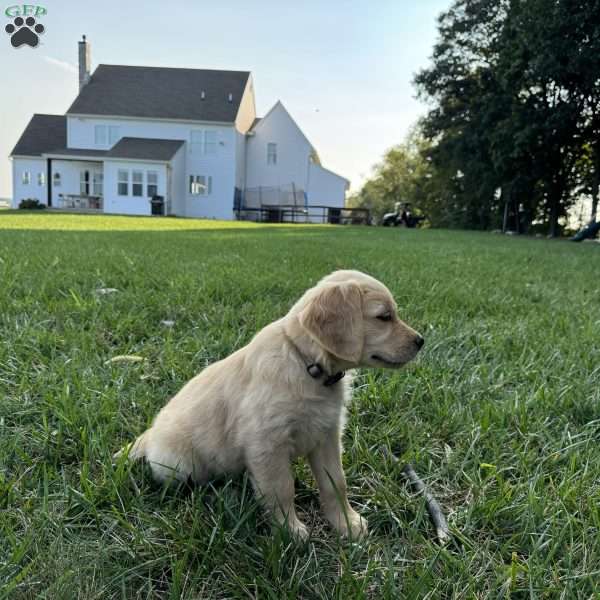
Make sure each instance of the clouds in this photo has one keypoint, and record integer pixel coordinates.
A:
(61, 64)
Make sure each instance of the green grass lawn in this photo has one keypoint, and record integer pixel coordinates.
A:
(500, 414)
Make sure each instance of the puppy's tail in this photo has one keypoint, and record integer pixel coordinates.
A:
(134, 450)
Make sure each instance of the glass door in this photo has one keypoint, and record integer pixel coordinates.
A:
(97, 183)
(84, 183)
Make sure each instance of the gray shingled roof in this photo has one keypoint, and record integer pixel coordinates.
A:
(144, 148)
(43, 133)
(127, 147)
(163, 93)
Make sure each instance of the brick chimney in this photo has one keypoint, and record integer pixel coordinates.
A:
(85, 63)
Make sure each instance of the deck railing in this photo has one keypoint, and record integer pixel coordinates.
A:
(310, 214)
(77, 201)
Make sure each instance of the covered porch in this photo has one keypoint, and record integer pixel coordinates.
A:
(75, 180)
(135, 177)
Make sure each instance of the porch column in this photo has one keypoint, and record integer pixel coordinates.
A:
(49, 181)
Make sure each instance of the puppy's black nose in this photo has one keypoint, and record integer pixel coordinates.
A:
(419, 341)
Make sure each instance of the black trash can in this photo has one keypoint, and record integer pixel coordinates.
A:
(274, 215)
(335, 216)
(158, 206)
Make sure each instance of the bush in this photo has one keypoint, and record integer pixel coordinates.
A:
(31, 203)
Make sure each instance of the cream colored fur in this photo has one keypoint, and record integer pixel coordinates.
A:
(259, 409)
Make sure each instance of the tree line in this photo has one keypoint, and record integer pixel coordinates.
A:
(512, 133)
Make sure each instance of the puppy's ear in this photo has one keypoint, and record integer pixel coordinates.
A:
(333, 317)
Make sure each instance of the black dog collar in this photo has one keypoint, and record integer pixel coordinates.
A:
(315, 370)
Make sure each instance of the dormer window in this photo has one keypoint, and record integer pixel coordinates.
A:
(100, 138)
(113, 135)
(106, 135)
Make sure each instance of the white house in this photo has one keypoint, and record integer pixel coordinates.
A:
(190, 136)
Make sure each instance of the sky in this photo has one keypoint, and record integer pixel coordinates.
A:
(342, 68)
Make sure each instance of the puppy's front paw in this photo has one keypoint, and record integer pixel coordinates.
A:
(298, 529)
(349, 524)
(358, 526)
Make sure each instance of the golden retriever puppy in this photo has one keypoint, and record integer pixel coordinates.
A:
(283, 396)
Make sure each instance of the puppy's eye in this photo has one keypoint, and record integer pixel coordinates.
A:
(385, 316)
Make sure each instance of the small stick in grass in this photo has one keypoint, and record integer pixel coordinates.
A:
(433, 507)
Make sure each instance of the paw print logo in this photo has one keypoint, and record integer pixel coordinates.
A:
(24, 31)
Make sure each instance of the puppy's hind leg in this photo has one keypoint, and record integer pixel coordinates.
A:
(170, 462)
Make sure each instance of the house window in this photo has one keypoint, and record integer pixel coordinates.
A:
(200, 185)
(113, 135)
(123, 183)
(41, 179)
(196, 138)
(100, 135)
(106, 135)
(271, 153)
(97, 183)
(84, 183)
(56, 179)
(137, 183)
(151, 183)
(210, 143)
(203, 142)
(25, 177)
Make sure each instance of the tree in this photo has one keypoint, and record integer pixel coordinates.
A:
(515, 88)
(402, 176)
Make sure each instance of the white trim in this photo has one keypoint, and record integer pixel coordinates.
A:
(84, 157)
(249, 84)
(92, 158)
(138, 160)
(152, 119)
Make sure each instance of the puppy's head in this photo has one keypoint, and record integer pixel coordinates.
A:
(354, 317)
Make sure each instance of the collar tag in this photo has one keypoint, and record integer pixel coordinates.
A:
(315, 370)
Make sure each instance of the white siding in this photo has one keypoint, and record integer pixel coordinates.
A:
(240, 160)
(326, 188)
(293, 152)
(221, 167)
(32, 189)
(211, 206)
(130, 205)
(178, 183)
